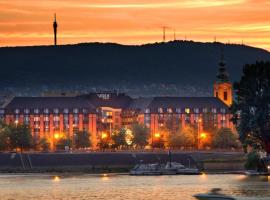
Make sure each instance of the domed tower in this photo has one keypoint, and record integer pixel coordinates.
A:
(223, 86)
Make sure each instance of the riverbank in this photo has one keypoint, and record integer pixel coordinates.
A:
(116, 162)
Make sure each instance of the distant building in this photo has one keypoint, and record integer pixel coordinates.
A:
(100, 113)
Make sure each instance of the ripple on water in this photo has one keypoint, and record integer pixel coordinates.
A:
(121, 187)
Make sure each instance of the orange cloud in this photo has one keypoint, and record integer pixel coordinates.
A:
(134, 21)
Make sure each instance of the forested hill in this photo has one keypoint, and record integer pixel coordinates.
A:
(174, 64)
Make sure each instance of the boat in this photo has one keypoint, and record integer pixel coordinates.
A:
(177, 168)
(170, 168)
(146, 170)
(214, 194)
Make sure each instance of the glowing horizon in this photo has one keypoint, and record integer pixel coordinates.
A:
(27, 23)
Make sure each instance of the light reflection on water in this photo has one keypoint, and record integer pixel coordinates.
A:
(123, 187)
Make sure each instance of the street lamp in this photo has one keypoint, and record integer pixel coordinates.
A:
(16, 122)
(198, 134)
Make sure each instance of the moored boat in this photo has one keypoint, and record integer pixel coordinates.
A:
(146, 170)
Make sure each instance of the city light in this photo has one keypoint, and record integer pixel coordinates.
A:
(129, 136)
(157, 135)
(56, 178)
(104, 135)
(203, 135)
(56, 136)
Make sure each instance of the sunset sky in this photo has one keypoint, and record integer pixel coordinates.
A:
(29, 22)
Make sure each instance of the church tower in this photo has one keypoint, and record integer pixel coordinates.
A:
(223, 86)
(55, 30)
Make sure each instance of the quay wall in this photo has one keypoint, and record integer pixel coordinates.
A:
(97, 162)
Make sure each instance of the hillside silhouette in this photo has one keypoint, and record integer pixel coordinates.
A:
(177, 63)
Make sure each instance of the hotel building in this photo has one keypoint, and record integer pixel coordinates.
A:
(103, 112)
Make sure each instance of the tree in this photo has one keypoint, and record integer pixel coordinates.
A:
(62, 143)
(82, 139)
(185, 137)
(44, 144)
(20, 136)
(225, 138)
(140, 135)
(119, 138)
(251, 108)
(177, 141)
(4, 136)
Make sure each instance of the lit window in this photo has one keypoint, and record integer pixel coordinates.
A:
(56, 118)
(46, 119)
(36, 119)
(187, 110)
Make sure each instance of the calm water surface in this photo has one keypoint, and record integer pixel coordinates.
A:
(123, 187)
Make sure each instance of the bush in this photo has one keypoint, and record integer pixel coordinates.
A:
(224, 139)
(253, 161)
(62, 143)
(44, 144)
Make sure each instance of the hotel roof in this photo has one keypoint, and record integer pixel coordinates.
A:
(92, 102)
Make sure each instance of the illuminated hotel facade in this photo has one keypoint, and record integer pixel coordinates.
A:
(103, 112)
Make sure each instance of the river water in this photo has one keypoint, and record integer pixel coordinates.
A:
(124, 187)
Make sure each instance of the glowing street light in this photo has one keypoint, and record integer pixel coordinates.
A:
(104, 135)
(16, 122)
(56, 136)
(203, 136)
(157, 135)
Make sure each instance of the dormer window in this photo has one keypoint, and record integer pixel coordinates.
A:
(17, 111)
(160, 110)
(66, 110)
(147, 110)
(223, 110)
(36, 111)
(178, 110)
(196, 110)
(26, 111)
(169, 110)
(46, 110)
(75, 110)
(56, 110)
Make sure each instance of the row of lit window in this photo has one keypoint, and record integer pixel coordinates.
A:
(187, 110)
(47, 110)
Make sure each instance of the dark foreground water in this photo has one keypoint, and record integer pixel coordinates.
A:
(123, 187)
